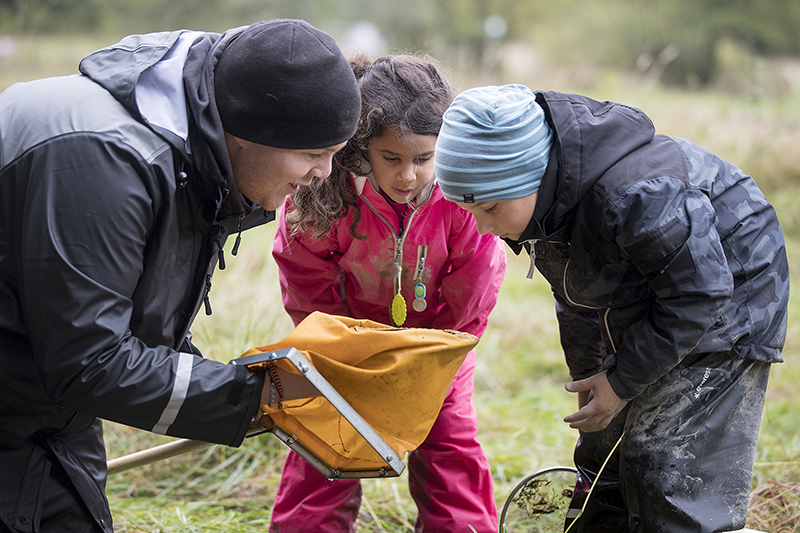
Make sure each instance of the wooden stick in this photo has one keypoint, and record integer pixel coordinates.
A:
(151, 455)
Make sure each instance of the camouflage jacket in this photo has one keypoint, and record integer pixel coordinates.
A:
(655, 248)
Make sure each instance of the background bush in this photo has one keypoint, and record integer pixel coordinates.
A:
(679, 40)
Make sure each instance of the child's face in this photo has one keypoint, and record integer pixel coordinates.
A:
(402, 164)
(505, 218)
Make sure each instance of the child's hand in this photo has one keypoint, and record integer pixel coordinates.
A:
(604, 405)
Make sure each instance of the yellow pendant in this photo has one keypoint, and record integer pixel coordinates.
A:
(398, 310)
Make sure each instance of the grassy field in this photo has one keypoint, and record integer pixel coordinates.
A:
(519, 396)
(520, 374)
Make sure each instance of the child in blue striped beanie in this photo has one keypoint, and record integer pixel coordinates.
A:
(671, 281)
(494, 145)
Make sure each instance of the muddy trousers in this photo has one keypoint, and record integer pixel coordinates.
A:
(448, 476)
(685, 462)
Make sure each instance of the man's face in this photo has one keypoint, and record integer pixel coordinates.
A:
(266, 175)
(505, 218)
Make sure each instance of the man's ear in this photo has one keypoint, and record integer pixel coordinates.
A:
(235, 145)
(233, 141)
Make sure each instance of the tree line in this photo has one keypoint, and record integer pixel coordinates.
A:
(681, 38)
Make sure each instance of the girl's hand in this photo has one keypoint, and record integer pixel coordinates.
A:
(596, 413)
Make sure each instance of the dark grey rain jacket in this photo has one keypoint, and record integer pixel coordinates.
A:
(116, 196)
(655, 248)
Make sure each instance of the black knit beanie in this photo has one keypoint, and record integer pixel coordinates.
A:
(284, 83)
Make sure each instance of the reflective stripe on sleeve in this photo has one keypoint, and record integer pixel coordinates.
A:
(183, 376)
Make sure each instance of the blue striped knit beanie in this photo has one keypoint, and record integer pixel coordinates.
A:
(494, 145)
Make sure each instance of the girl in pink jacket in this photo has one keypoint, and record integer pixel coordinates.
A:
(377, 240)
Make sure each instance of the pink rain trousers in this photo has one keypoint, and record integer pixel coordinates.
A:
(448, 477)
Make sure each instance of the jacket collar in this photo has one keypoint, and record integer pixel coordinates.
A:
(373, 191)
(590, 137)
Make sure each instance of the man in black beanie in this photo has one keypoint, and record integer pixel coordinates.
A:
(118, 188)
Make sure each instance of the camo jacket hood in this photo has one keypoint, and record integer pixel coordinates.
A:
(654, 247)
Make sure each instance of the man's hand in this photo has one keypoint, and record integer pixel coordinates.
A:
(597, 413)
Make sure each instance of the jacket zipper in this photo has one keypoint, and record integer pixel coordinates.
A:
(606, 325)
(221, 263)
(206, 297)
(532, 256)
(399, 239)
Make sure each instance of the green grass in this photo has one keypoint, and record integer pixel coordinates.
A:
(520, 374)
(519, 395)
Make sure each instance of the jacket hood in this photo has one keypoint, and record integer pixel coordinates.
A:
(166, 80)
(589, 138)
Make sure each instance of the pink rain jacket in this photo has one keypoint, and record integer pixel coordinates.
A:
(449, 475)
(461, 270)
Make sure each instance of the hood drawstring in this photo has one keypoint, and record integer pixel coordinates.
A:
(236, 244)
(221, 263)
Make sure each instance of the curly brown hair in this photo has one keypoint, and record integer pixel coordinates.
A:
(405, 92)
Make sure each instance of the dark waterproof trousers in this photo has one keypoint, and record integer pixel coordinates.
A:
(685, 462)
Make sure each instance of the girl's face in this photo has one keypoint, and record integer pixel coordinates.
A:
(402, 164)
